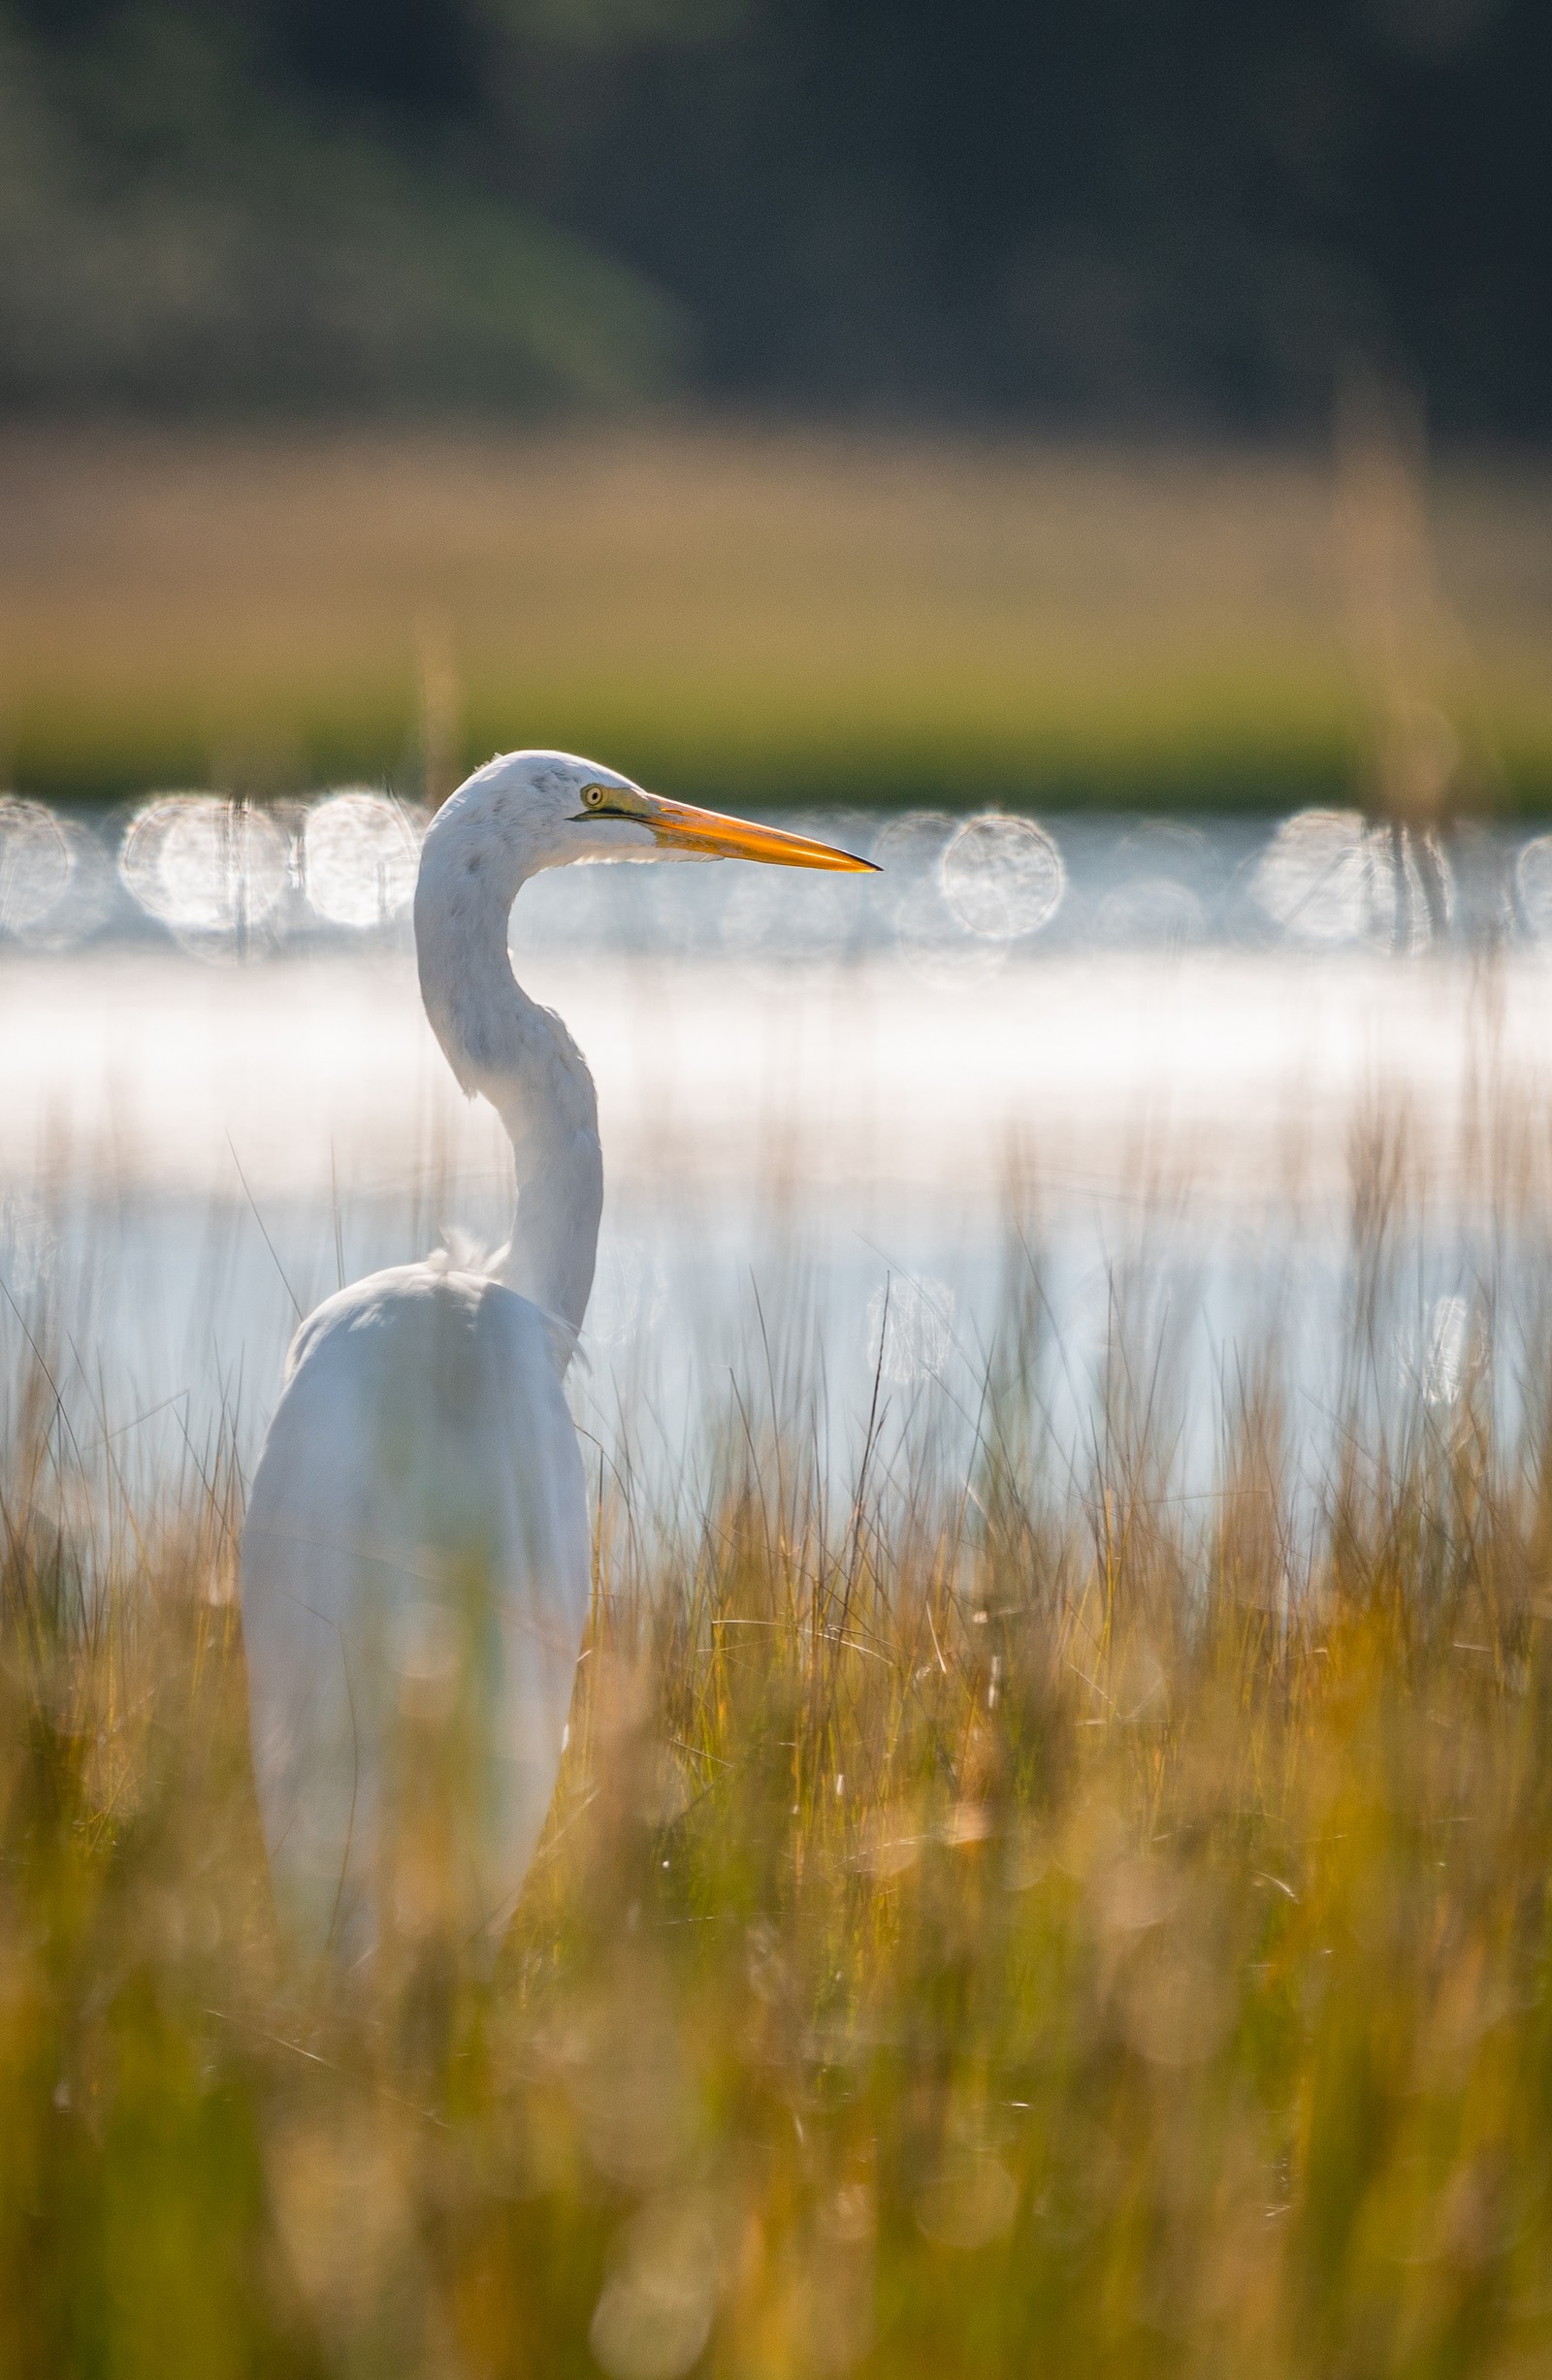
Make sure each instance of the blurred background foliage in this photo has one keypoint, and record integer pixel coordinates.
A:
(794, 399)
(1115, 215)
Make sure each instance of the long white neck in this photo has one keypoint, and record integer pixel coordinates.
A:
(515, 1053)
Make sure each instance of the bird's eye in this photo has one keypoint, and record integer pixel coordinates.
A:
(594, 797)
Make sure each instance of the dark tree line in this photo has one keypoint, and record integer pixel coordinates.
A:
(1181, 213)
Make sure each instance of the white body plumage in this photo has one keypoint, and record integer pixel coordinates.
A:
(415, 1587)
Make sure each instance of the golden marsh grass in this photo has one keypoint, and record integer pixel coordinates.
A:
(995, 1918)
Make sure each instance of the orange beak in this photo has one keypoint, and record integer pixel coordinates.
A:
(678, 827)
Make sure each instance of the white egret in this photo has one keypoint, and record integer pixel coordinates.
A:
(416, 1561)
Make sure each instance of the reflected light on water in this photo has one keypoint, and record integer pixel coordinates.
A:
(1533, 882)
(210, 869)
(908, 853)
(1328, 875)
(1151, 910)
(87, 900)
(914, 907)
(1317, 880)
(35, 864)
(359, 855)
(935, 944)
(56, 883)
(1003, 878)
(955, 900)
(1167, 889)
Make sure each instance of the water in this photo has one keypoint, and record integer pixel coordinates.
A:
(1098, 1059)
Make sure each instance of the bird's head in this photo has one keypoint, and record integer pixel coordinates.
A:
(533, 810)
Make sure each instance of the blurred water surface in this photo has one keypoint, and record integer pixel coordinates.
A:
(1092, 1070)
(954, 895)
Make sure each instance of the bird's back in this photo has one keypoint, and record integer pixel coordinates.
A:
(415, 1575)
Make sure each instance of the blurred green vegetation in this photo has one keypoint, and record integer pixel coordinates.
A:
(1187, 216)
(179, 233)
(761, 616)
(1063, 1925)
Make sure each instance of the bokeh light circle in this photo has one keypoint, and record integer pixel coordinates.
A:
(1319, 877)
(205, 867)
(87, 899)
(361, 854)
(909, 903)
(1002, 877)
(909, 852)
(1328, 875)
(35, 864)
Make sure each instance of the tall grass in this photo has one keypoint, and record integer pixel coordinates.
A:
(1007, 1918)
